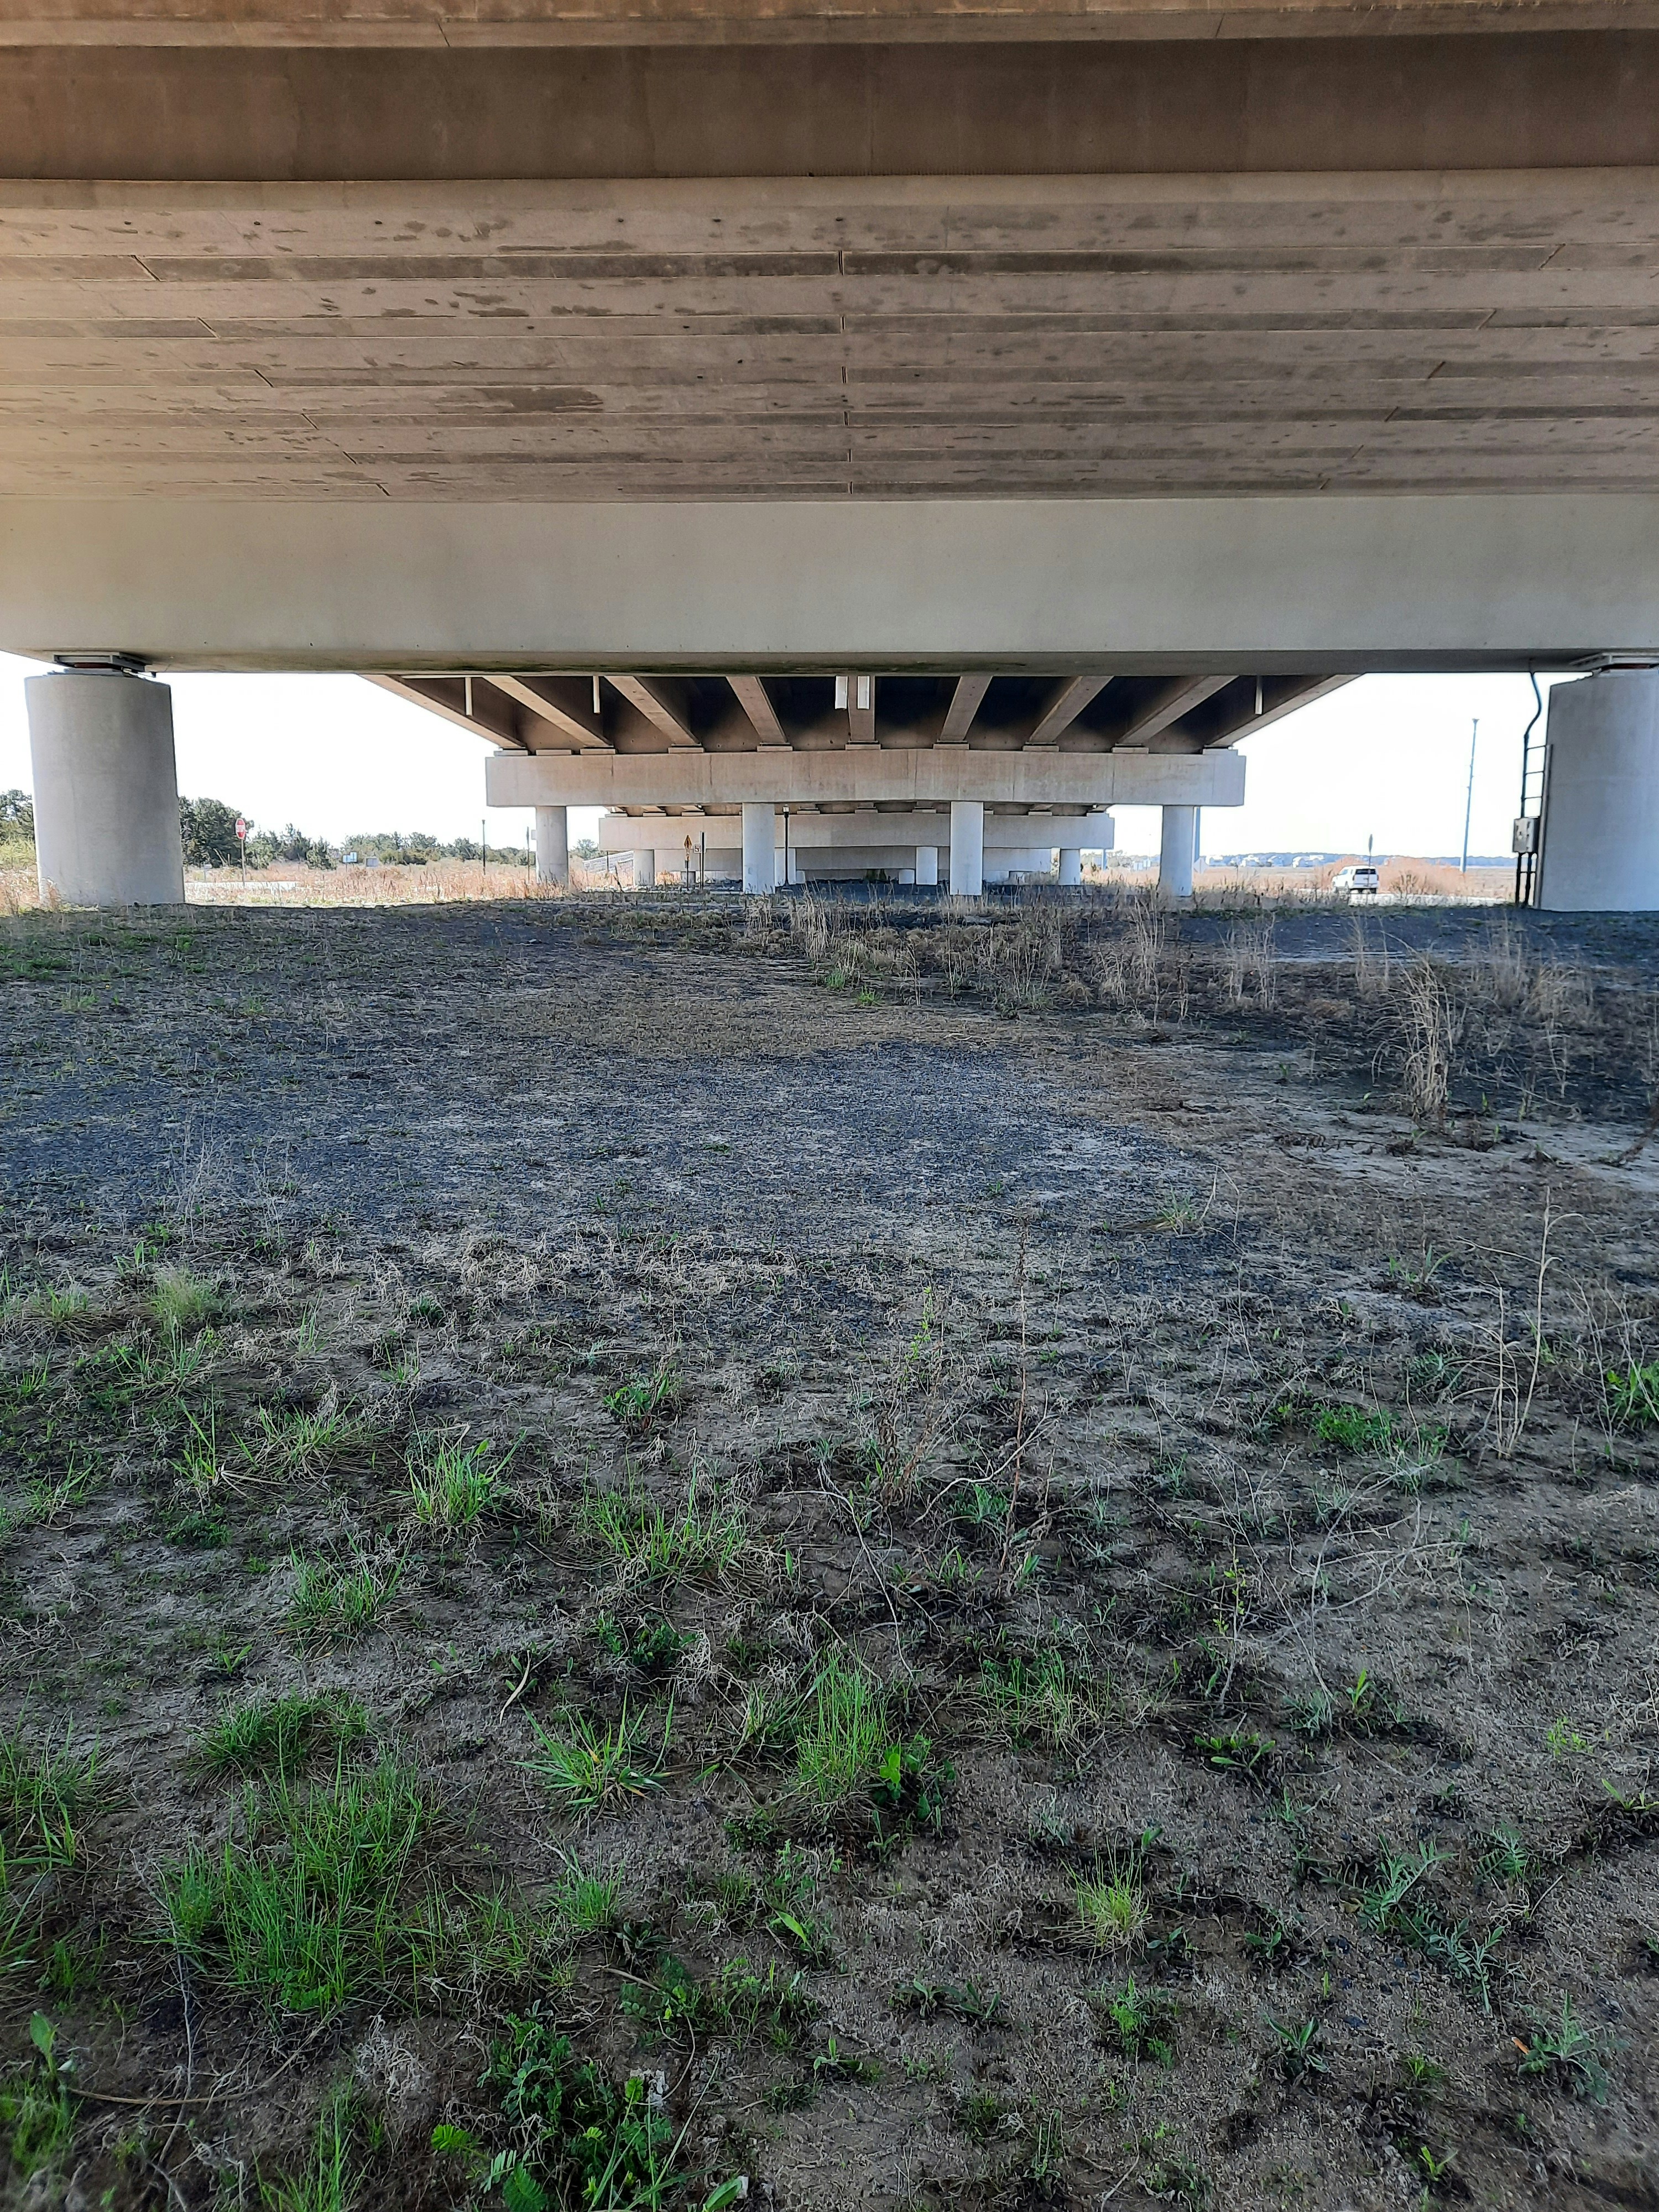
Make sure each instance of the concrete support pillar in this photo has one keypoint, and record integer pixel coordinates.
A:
(928, 863)
(553, 846)
(760, 851)
(1174, 859)
(105, 789)
(1070, 864)
(967, 847)
(645, 868)
(1601, 837)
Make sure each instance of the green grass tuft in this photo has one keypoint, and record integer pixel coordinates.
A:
(588, 1902)
(641, 1405)
(1633, 1394)
(453, 1484)
(702, 1537)
(845, 1730)
(305, 1908)
(37, 2117)
(582, 1765)
(1111, 1902)
(325, 1893)
(180, 1304)
(277, 1735)
(336, 1600)
(288, 1441)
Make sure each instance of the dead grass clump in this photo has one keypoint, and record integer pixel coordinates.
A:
(19, 890)
(1250, 961)
(808, 924)
(1427, 1035)
(1128, 970)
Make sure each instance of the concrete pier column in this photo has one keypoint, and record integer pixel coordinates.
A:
(645, 868)
(967, 847)
(105, 789)
(1601, 837)
(1070, 864)
(1176, 852)
(553, 846)
(760, 851)
(928, 863)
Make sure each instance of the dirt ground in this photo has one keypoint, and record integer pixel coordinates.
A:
(684, 1552)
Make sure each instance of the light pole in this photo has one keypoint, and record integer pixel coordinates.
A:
(1469, 798)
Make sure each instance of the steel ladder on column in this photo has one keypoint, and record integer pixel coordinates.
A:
(1529, 821)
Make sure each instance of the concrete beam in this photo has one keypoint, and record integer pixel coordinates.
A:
(879, 107)
(922, 777)
(750, 693)
(467, 701)
(1166, 707)
(1302, 587)
(965, 702)
(564, 702)
(1068, 702)
(1252, 704)
(662, 701)
(442, 24)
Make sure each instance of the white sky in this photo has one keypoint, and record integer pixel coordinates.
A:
(1387, 757)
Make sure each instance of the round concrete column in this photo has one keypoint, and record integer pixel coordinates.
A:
(552, 846)
(105, 789)
(928, 863)
(1601, 796)
(645, 868)
(1176, 851)
(967, 847)
(1071, 865)
(760, 850)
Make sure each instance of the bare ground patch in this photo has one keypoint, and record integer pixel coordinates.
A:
(652, 1558)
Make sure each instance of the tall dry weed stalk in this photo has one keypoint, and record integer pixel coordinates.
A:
(1248, 960)
(1515, 1366)
(1426, 1021)
(1504, 973)
(1130, 969)
(808, 924)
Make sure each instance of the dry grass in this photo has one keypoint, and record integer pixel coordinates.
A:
(291, 883)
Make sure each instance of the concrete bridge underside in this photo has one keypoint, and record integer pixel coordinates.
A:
(1053, 348)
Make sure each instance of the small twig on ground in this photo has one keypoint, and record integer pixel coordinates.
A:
(523, 1679)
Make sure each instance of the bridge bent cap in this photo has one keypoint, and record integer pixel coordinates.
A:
(441, 23)
(1566, 98)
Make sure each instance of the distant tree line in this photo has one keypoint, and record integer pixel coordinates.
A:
(209, 828)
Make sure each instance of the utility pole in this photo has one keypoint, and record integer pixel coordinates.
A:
(484, 854)
(1469, 798)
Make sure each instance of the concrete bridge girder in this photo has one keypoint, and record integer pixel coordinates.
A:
(903, 844)
(938, 775)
